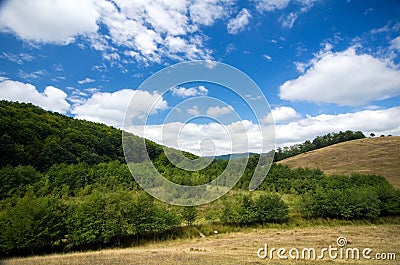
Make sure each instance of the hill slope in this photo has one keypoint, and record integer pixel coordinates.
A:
(32, 136)
(380, 156)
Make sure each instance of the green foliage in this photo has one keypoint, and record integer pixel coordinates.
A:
(41, 224)
(189, 214)
(270, 208)
(15, 181)
(104, 218)
(33, 224)
(32, 136)
(282, 179)
(349, 203)
(246, 210)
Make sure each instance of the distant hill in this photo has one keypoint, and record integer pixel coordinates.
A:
(380, 156)
(234, 156)
(32, 136)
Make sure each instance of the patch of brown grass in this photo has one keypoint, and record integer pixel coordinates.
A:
(239, 248)
(379, 156)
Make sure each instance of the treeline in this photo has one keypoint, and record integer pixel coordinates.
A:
(318, 142)
(355, 197)
(37, 224)
(82, 206)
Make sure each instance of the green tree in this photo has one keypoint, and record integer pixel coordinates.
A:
(33, 225)
(189, 214)
(270, 208)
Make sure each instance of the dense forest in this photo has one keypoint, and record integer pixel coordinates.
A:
(65, 185)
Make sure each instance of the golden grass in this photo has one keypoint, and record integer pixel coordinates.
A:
(239, 248)
(380, 156)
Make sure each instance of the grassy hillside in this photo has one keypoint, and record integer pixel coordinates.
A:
(240, 248)
(380, 156)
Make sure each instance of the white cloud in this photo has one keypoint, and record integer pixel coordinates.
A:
(395, 44)
(245, 136)
(58, 67)
(386, 121)
(288, 21)
(17, 58)
(236, 137)
(387, 28)
(250, 97)
(239, 23)
(110, 108)
(266, 56)
(344, 78)
(219, 111)
(282, 114)
(271, 5)
(147, 30)
(86, 81)
(193, 111)
(152, 30)
(33, 75)
(189, 92)
(48, 20)
(51, 98)
(206, 12)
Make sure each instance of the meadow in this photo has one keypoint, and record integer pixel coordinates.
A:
(240, 247)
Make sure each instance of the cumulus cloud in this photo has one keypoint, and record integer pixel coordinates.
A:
(145, 30)
(344, 78)
(151, 30)
(395, 44)
(48, 20)
(386, 121)
(239, 23)
(189, 92)
(206, 12)
(281, 114)
(51, 98)
(236, 137)
(246, 136)
(110, 108)
(271, 5)
(217, 111)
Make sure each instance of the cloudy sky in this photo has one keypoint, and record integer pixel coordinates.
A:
(323, 65)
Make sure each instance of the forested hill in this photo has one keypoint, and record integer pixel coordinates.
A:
(32, 136)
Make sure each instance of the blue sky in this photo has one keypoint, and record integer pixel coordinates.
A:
(323, 65)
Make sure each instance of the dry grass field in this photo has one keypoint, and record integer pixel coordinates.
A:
(380, 156)
(241, 248)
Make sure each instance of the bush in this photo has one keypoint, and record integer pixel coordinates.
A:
(265, 208)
